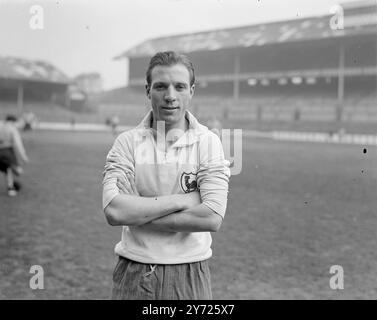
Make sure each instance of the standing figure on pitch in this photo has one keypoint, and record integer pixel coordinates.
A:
(114, 123)
(166, 183)
(12, 154)
(214, 124)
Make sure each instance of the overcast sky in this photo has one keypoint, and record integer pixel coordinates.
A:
(84, 35)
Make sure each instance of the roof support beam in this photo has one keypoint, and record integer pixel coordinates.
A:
(340, 83)
(236, 80)
(320, 73)
(20, 98)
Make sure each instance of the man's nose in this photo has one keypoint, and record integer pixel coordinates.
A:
(170, 94)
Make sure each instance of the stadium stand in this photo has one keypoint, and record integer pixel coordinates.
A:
(38, 87)
(302, 72)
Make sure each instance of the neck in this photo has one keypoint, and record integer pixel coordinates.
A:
(182, 125)
(179, 128)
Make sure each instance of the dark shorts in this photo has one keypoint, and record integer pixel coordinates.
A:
(138, 281)
(7, 159)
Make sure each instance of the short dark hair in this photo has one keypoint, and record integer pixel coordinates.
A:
(170, 58)
(11, 118)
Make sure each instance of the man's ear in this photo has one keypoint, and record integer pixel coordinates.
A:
(147, 91)
(192, 90)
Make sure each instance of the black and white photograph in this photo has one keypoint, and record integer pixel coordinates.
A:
(194, 150)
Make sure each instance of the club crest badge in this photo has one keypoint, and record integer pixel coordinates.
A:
(188, 182)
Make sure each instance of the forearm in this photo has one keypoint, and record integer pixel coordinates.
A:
(132, 210)
(196, 219)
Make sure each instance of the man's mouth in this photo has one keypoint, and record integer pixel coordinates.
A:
(170, 108)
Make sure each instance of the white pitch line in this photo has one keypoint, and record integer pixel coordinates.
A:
(359, 139)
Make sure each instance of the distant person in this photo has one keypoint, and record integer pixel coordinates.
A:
(72, 121)
(12, 153)
(297, 114)
(29, 121)
(113, 123)
(169, 203)
(214, 124)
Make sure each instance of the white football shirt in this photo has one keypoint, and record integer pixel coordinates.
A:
(195, 160)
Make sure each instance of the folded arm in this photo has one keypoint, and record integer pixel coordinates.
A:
(212, 179)
(188, 214)
(191, 212)
(199, 218)
(131, 210)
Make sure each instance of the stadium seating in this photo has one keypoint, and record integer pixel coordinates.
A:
(273, 109)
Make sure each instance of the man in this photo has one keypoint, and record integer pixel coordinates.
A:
(12, 153)
(114, 123)
(166, 183)
(29, 121)
(215, 126)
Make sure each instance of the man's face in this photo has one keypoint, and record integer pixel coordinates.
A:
(170, 94)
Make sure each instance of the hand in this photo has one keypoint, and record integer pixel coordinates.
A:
(127, 186)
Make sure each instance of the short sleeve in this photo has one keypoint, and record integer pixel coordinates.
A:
(119, 161)
(213, 174)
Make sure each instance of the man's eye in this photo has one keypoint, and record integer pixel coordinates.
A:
(180, 87)
(159, 87)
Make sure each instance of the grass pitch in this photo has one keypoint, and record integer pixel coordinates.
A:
(295, 210)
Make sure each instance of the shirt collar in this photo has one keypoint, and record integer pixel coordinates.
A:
(191, 135)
